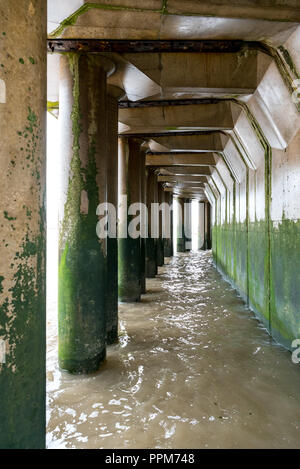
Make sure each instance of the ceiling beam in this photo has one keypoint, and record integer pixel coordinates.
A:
(182, 159)
(186, 171)
(153, 46)
(186, 179)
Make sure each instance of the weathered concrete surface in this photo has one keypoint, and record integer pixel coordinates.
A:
(130, 247)
(144, 221)
(284, 244)
(172, 118)
(188, 223)
(207, 142)
(22, 215)
(255, 211)
(160, 240)
(186, 171)
(180, 234)
(113, 95)
(206, 74)
(201, 225)
(207, 225)
(174, 19)
(83, 256)
(182, 159)
(195, 180)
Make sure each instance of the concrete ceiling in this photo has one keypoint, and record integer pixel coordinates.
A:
(174, 118)
(190, 144)
(159, 19)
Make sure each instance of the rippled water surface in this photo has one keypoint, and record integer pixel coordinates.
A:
(193, 369)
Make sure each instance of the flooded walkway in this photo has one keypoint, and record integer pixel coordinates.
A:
(193, 369)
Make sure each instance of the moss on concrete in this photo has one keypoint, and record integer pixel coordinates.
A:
(23, 323)
(285, 281)
(72, 19)
(129, 269)
(82, 266)
(151, 257)
(242, 251)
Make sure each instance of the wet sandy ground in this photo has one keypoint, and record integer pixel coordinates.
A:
(193, 369)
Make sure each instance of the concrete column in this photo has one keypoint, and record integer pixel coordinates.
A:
(22, 214)
(168, 242)
(83, 255)
(180, 241)
(151, 242)
(160, 240)
(201, 225)
(188, 224)
(208, 225)
(143, 239)
(129, 246)
(113, 95)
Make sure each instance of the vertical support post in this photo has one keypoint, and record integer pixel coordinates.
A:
(168, 242)
(151, 241)
(201, 225)
(188, 224)
(130, 235)
(113, 95)
(83, 255)
(160, 241)
(22, 220)
(207, 223)
(180, 241)
(144, 222)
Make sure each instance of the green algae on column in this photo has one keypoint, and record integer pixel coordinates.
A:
(82, 264)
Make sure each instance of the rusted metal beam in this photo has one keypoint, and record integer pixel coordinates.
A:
(168, 134)
(168, 102)
(159, 46)
(179, 153)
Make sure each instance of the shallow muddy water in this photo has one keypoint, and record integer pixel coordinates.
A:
(193, 369)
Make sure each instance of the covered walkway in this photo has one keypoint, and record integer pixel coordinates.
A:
(157, 104)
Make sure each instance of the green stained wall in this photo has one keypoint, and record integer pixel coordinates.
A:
(258, 271)
(261, 257)
(285, 281)
(276, 306)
